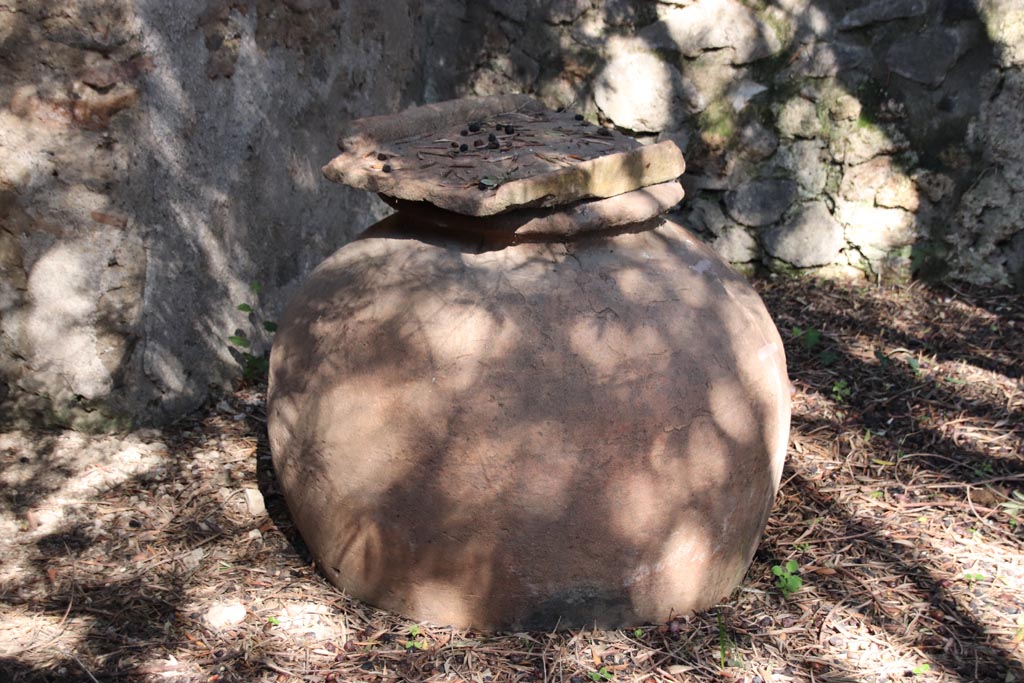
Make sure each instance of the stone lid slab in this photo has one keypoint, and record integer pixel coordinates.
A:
(480, 156)
(564, 222)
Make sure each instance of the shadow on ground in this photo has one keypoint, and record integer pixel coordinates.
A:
(893, 506)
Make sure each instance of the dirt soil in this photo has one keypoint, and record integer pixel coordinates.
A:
(150, 556)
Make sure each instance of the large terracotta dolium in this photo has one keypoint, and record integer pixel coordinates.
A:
(479, 430)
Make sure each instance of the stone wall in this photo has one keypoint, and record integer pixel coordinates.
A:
(872, 137)
(156, 158)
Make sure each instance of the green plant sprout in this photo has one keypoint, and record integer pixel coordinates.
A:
(602, 674)
(828, 357)
(273, 621)
(809, 337)
(638, 633)
(786, 579)
(727, 653)
(253, 367)
(985, 469)
(416, 643)
(1014, 508)
(921, 669)
(841, 391)
(971, 577)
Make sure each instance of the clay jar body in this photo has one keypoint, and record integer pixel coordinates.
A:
(529, 436)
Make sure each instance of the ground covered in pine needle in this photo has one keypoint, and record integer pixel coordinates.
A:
(167, 555)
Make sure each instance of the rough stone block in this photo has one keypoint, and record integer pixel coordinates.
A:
(925, 57)
(826, 60)
(860, 141)
(809, 237)
(798, 118)
(755, 141)
(641, 92)
(1004, 21)
(876, 227)
(880, 181)
(882, 10)
(713, 24)
(807, 161)
(760, 202)
(736, 245)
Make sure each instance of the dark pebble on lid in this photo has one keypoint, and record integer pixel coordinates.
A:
(455, 144)
(578, 117)
(478, 143)
(509, 130)
(474, 127)
(463, 132)
(492, 137)
(493, 144)
(605, 132)
(463, 147)
(386, 168)
(382, 157)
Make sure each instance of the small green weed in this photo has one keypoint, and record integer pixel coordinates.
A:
(1014, 508)
(602, 674)
(273, 621)
(921, 669)
(985, 469)
(971, 577)
(727, 655)
(253, 367)
(417, 643)
(638, 633)
(809, 337)
(828, 357)
(786, 578)
(915, 366)
(841, 391)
